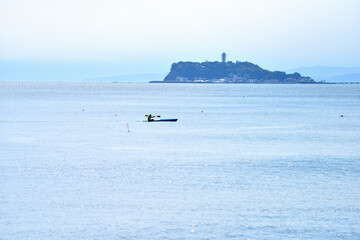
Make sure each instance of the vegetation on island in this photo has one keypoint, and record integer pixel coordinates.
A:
(229, 72)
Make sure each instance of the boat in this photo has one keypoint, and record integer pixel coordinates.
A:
(163, 120)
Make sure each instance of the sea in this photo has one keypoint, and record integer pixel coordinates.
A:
(246, 161)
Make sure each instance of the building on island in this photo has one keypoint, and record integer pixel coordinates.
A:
(223, 57)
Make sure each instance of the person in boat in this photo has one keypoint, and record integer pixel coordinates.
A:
(150, 118)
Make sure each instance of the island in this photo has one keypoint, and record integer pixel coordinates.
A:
(229, 72)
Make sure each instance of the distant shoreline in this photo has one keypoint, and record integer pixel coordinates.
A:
(208, 83)
(258, 83)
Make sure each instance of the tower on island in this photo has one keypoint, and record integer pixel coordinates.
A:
(223, 57)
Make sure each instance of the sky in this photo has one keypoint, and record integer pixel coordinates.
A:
(146, 36)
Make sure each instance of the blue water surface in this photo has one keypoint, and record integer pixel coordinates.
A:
(242, 162)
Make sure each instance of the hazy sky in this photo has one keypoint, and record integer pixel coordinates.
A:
(278, 34)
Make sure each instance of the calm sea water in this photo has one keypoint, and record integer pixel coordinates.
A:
(242, 162)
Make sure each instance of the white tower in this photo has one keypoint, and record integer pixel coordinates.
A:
(223, 57)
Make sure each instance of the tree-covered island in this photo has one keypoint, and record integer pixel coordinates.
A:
(228, 72)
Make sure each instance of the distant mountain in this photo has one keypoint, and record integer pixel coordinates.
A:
(144, 77)
(38, 71)
(354, 77)
(330, 74)
(229, 72)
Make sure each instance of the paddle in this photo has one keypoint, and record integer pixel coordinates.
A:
(152, 116)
